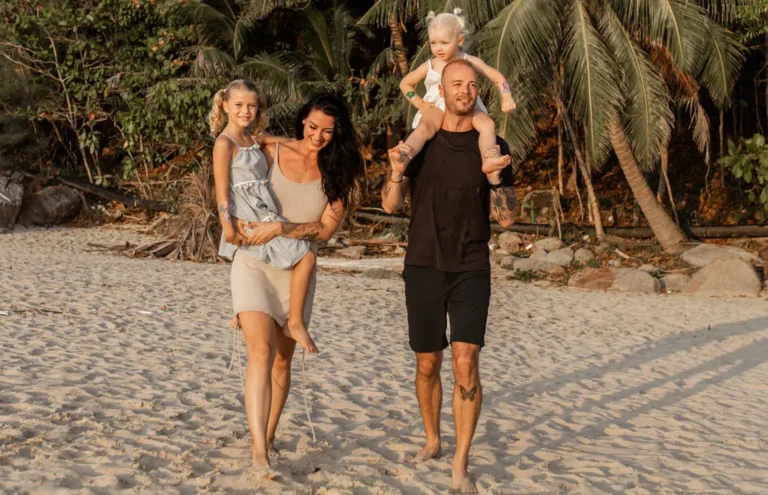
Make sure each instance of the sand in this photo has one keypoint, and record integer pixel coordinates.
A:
(113, 378)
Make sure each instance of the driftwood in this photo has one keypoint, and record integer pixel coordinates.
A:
(115, 196)
(708, 232)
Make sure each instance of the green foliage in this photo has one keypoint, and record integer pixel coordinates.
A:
(525, 275)
(748, 161)
(751, 20)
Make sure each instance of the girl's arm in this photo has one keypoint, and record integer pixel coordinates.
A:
(408, 86)
(498, 79)
(222, 156)
(322, 230)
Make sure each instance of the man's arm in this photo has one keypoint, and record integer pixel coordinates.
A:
(504, 205)
(396, 189)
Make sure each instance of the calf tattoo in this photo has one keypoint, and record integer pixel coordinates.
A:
(468, 394)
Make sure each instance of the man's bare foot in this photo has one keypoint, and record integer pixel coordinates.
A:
(298, 333)
(429, 451)
(461, 482)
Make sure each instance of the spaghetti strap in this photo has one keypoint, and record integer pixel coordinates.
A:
(254, 145)
(231, 139)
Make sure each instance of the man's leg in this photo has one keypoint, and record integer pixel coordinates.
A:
(467, 402)
(429, 392)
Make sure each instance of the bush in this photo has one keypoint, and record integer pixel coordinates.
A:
(748, 161)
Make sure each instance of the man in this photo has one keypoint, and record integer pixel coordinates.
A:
(447, 267)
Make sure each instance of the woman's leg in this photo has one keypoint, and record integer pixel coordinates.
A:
(281, 383)
(260, 340)
(431, 122)
(300, 277)
(492, 158)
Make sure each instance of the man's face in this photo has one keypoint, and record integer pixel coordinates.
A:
(459, 89)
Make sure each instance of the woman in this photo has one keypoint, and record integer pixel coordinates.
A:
(311, 180)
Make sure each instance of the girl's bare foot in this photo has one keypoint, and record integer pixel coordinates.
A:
(429, 451)
(298, 333)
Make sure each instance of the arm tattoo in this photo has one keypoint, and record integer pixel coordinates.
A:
(224, 210)
(503, 203)
(302, 231)
(410, 95)
(468, 394)
(504, 87)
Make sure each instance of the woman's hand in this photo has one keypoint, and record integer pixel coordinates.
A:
(257, 233)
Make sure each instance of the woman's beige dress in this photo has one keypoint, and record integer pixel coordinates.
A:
(258, 286)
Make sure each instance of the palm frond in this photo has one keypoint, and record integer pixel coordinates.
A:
(318, 39)
(259, 9)
(721, 10)
(211, 61)
(279, 75)
(244, 34)
(647, 117)
(591, 83)
(382, 11)
(383, 61)
(211, 27)
(721, 62)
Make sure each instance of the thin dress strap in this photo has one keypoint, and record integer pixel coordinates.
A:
(238, 144)
(231, 139)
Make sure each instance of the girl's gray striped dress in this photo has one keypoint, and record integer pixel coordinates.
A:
(250, 200)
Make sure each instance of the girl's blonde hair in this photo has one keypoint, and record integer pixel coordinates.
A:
(447, 20)
(217, 118)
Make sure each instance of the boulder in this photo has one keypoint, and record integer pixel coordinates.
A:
(602, 248)
(508, 262)
(562, 257)
(616, 262)
(530, 265)
(704, 254)
(51, 206)
(648, 268)
(548, 244)
(353, 252)
(675, 281)
(592, 278)
(725, 276)
(540, 254)
(635, 281)
(583, 256)
(11, 196)
(381, 273)
(509, 241)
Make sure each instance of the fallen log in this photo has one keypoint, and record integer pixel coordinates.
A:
(703, 232)
(133, 201)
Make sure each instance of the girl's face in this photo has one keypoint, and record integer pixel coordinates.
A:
(318, 129)
(242, 107)
(444, 42)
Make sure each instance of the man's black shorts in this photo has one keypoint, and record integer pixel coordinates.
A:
(430, 294)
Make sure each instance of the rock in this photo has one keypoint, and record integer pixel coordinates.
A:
(616, 262)
(602, 248)
(381, 273)
(508, 262)
(51, 206)
(675, 281)
(725, 276)
(353, 252)
(11, 196)
(592, 278)
(531, 265)
(562, 257)
(541, 254)
(542, 283)
(509, 241)
(399, 250)
(538, 204)
(649, 269)
(583, 256)
(636, 281)
(548, 243)
(498, 255)
(704, 254)
(333, 242)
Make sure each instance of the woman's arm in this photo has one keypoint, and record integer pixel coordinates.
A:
(498, 79)
(409, 82)
(265, 138)
(322, 230)
(222, 156)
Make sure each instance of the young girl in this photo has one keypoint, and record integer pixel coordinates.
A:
(240, 174)
(446, 36)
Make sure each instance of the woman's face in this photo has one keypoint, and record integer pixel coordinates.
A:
(242, 107)
(318, 129)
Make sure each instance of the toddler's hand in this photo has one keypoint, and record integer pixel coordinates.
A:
(508, 104)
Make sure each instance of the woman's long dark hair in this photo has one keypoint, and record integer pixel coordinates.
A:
(340, 161)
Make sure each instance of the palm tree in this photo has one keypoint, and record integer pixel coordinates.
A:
(626, 63)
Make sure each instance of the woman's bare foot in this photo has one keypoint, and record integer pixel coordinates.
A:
(430, 451)
(272, 451)
(260, 463)
(297, 332)
(461, 482)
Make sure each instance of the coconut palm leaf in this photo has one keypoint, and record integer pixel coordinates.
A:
(382, 11)
(243, 36)
(211, 26)
(721, 10)
(591, 83)
(260, 9)
(721, 62)
(317, 37)
(647, 116)
(211, 62)
(279, 75)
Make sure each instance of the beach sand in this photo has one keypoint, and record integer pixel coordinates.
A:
(113, 377)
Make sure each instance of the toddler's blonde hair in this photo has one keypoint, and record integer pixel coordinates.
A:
(446, 20)
(217, 118)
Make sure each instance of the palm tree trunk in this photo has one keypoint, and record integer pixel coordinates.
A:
(397, 41)
(664, 228)
(560, 157)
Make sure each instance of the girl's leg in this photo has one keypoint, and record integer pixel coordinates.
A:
(431, 122)
(259, 333)
(281, 384)
(492, 159)
(300, 277)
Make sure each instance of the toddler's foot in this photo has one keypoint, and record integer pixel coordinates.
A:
(298, 333)
(493, 161)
